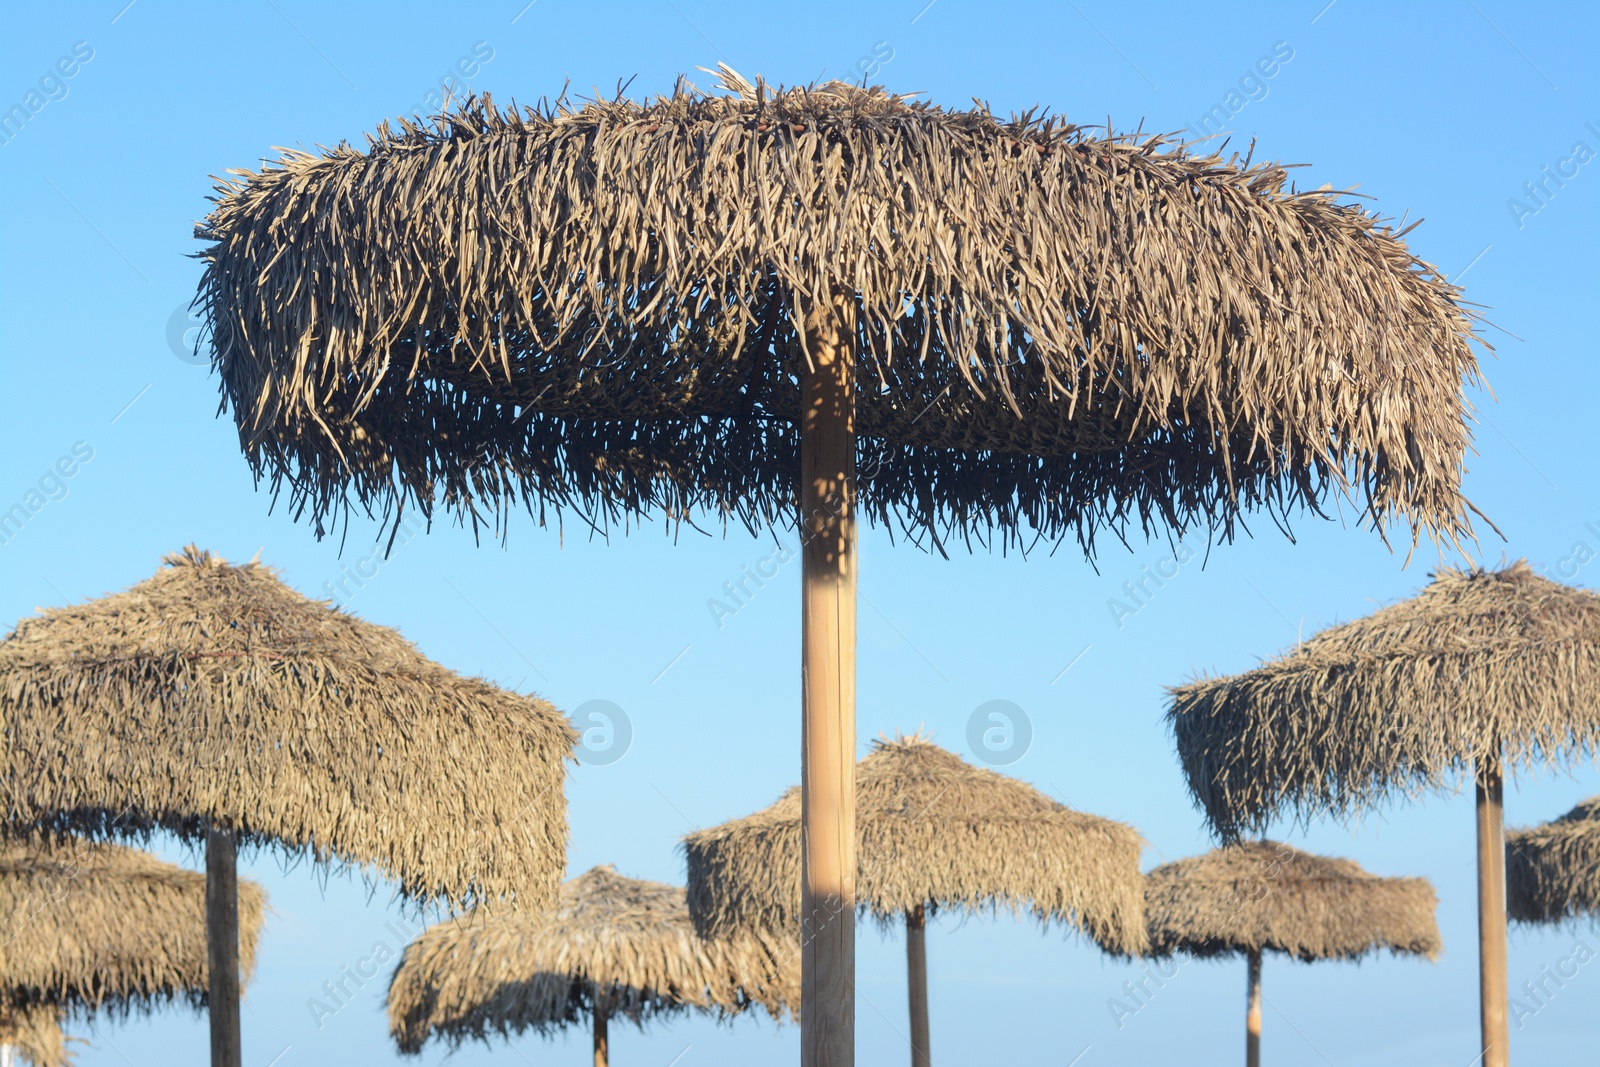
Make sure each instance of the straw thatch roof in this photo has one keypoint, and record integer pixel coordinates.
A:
(1265, 896)
(1553, 870)
(625, 942)
(1480, 662)
(596, 307)
(107, 928)
(936, 831)
(213, 693)
(34, 1030)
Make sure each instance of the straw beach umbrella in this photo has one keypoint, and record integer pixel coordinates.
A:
(1253, 897)
(1484, 670)
(612, 946)
(932, 832)
(101, 928)
(215, 702)
(768, 305)
(1553, 870)
(32, 1034)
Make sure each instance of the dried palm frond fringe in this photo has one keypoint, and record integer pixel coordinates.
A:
(213, 694)
(620, 942)
(1265, 896)
(932, 831)
(106, 928)
(1553, 870)
(1502, 665)
(599, 307)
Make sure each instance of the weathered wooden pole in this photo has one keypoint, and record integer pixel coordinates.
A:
(1252, 1016)
(917, 984)
(1492, 985)
(602, 1042)
(828, 685)
(222, 945)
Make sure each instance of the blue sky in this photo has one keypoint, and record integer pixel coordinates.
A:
(1444, 111)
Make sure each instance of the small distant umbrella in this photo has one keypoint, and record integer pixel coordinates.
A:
(215, 702)
(933, 832)
(31, 1034)
(1553, 870)
(1261, 896)
(99, 928)
(611, 946)
(741, 306)
(1484, 669)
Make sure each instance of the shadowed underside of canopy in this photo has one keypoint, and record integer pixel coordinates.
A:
(1262, 895)
(601, 308)
(1500, 665)
(625, 944)
(107, 928)
(1553, 870)
(213, 694)
(935, 831)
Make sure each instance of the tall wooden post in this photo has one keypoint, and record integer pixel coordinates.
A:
(602, 1043)
(828, 686)
(917, 984)
(1492, 983)
(1252, 1016)
(222, 945)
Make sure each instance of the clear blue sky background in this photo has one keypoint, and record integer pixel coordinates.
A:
(1440, 110)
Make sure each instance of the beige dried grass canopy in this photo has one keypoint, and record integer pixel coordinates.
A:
(624, 942)
(1482, 664)
(35, 1032)
(934, 831)
(597, 308)
(1553, 870)
(107, 928)
(1266, 896)
(215, 694)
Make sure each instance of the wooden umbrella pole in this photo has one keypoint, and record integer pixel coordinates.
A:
(1252, 1017)
(602, 1041)
(222, 945)
(1492, 983)
(917, 984)
(828, 685)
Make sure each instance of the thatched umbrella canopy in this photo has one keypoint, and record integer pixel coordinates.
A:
(1485, 669)
(604, 307)
(932, 832)
(1253, 897)
(107, 928)
(215, 702)
(100, 928)
(611, 946)
(734, 305)
(1553, 870)
(33, 1032)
